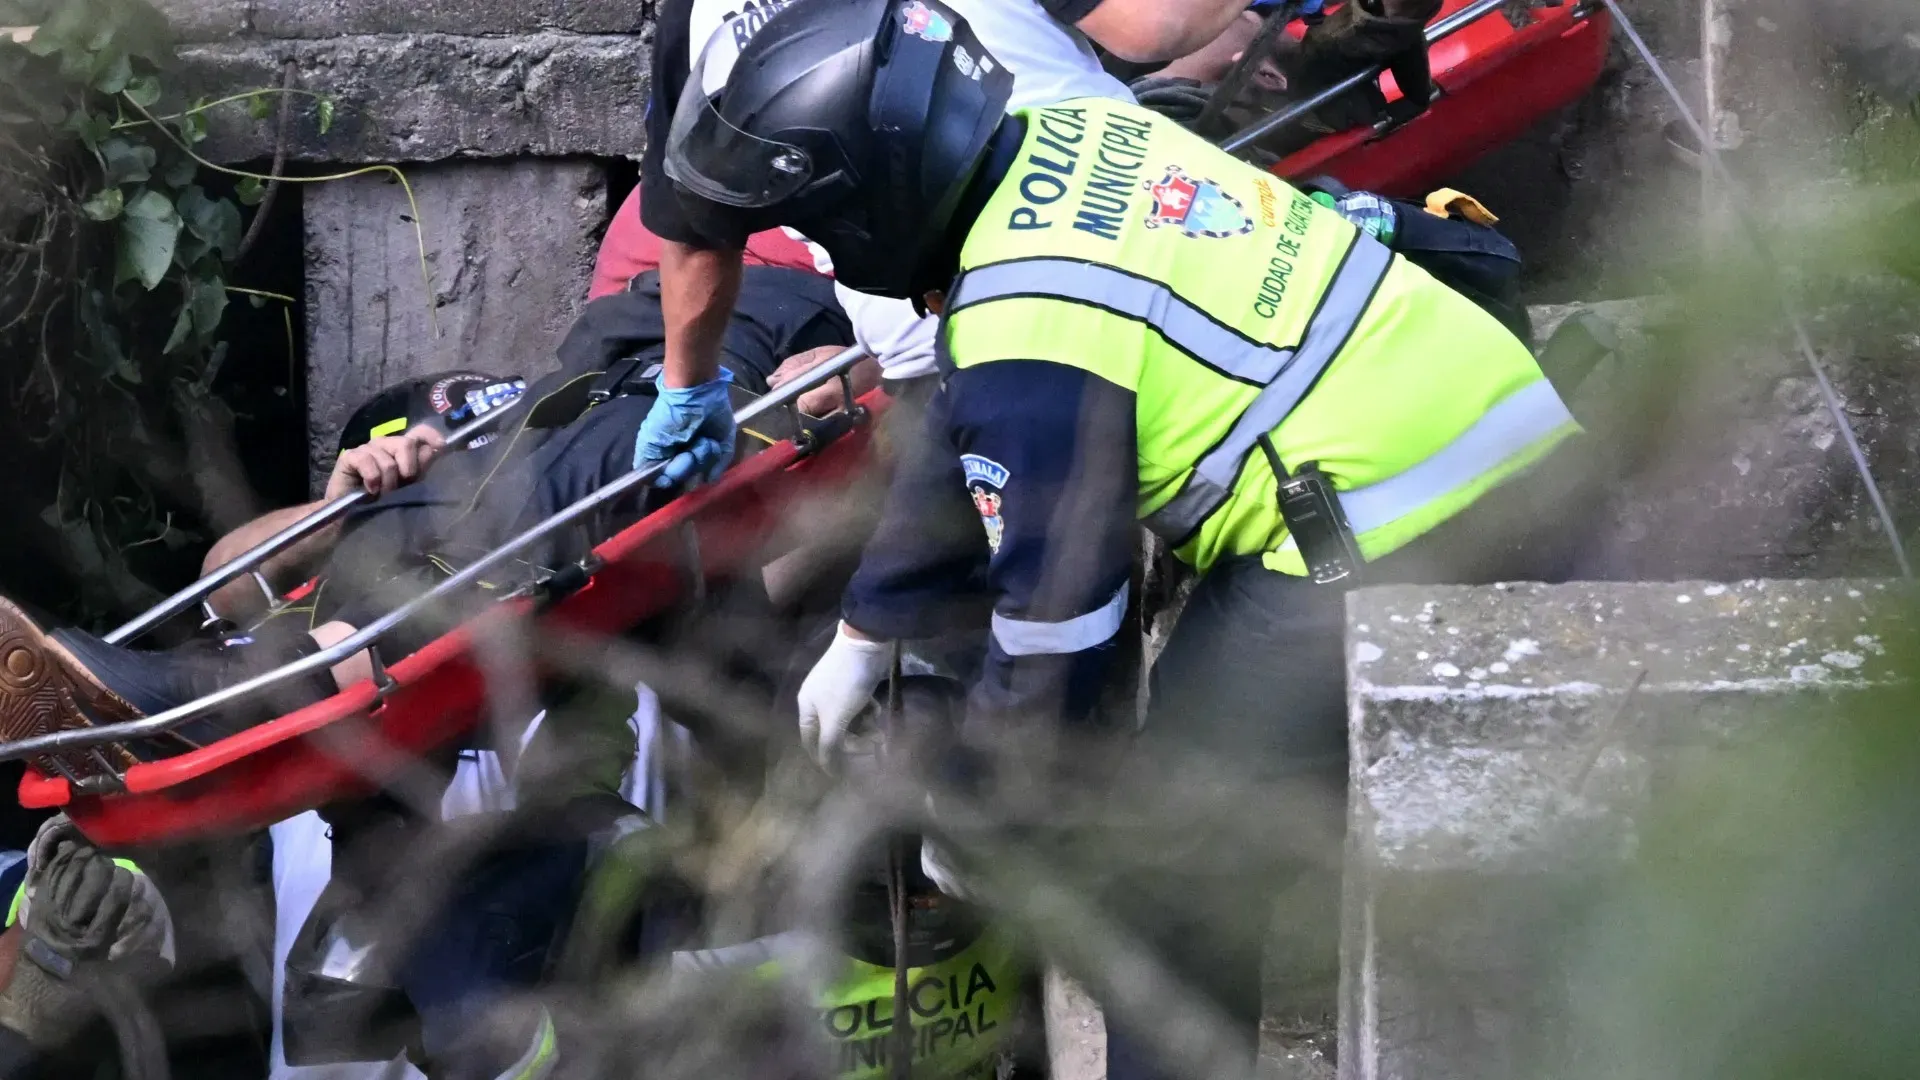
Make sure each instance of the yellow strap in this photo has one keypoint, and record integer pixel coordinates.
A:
(392, 427)
(1447, 202)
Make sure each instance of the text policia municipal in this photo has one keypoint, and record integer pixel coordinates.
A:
(1115, 160)
(1061, 146)
(956, 1015)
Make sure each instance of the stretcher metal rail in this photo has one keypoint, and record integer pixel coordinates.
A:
(250, 561)
(839, 368)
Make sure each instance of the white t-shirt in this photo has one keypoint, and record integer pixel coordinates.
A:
(1050, 62)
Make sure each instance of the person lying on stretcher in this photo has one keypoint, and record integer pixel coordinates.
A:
(435, 512)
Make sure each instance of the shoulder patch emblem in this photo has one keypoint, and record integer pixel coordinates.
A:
(1197, 207)
(986, 479)
(984, 469)
(923, 22)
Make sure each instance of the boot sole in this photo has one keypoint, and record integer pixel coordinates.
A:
(44, 689)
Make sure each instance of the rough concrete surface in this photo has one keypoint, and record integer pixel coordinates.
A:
(1503, 741)
(425, 97)
(510, 249)
(1725, 460)
(1076, 1032)
(217, 20)
(1735, 467)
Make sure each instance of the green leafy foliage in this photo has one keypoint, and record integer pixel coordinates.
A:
(149, 229)
(126, 162)
(105, 205)
(125, 363)
(215, 222)
(144, 91)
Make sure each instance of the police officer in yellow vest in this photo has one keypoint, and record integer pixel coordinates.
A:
(1138, 329)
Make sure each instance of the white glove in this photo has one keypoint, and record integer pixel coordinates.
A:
(939, 865)
(837, 688)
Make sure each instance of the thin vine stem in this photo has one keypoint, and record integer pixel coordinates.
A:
(419, 234)
(263, 294)
(228, 100)
(268, 197)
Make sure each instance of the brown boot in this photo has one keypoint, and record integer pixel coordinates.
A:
(44, 689)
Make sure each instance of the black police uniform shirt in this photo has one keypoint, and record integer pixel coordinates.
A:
(1020, 496)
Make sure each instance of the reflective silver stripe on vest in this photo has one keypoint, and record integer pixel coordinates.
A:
(1018, 637)
(1185, 326)
(1341, 309)
(1520, 420)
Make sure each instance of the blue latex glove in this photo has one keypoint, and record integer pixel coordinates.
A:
(691, 428)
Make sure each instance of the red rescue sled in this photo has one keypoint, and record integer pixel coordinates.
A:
(1494, 80)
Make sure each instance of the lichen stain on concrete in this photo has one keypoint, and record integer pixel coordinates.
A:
(1519, 649)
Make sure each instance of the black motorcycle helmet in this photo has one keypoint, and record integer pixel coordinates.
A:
(858, 122)
(451, 397)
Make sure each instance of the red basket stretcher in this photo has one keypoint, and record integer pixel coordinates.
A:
(1493, 82)
(268, 772)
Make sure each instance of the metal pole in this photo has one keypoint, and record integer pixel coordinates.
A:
(1744, 215)
(1445, 28)
(80, 738)
(900, 1058)
(252, 559)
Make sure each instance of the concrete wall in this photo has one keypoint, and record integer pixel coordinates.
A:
(509, 248)
(494, 109)
(1509, 745)
(429, 80)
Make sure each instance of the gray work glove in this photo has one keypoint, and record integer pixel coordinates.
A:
(1179, 100)
(81, 914)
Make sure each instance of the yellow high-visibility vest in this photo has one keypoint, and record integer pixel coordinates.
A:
(1240, 312)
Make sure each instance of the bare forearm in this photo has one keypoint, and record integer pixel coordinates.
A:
(1209, 64)
(1144, 31)
(698, 289)
(240, 598)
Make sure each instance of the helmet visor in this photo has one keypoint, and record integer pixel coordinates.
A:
(716, 160)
